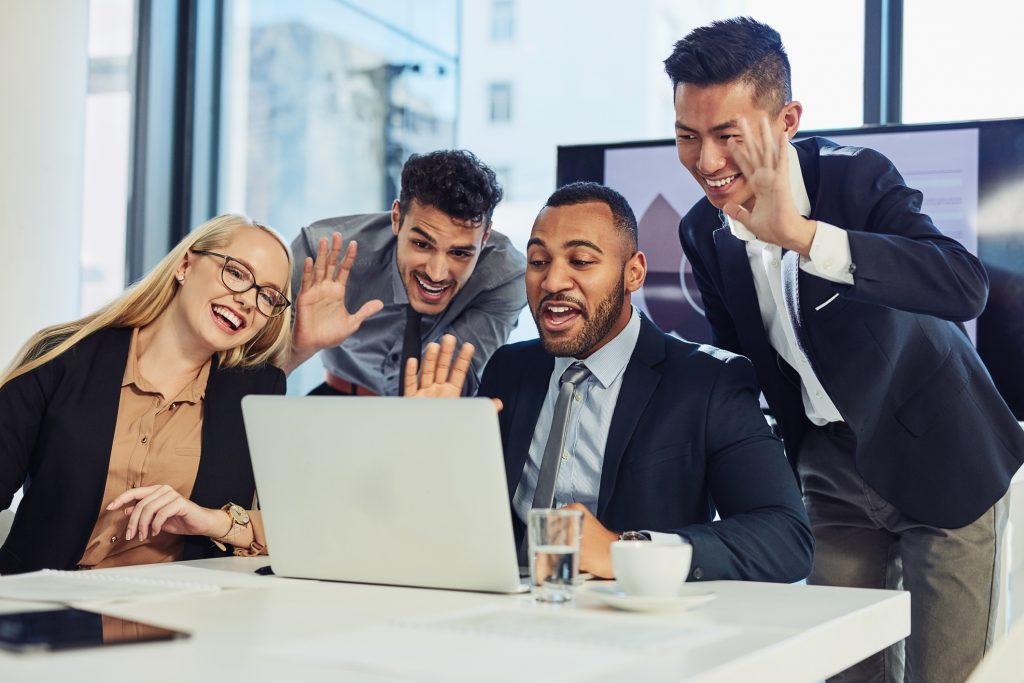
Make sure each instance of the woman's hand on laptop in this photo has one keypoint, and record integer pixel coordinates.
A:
(444, 373)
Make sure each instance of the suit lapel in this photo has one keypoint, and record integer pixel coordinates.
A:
(532, 392)
(98, 408)
(638, 384)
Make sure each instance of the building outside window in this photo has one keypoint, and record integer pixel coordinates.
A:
(501, 102)
(324, 101)
(592, 76)
(503, 16)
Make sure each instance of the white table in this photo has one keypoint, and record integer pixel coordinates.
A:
(779, 632)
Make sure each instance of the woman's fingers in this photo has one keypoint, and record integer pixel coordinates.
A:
(131, 495)
(134, 521)
(172, 509)
(145, 527)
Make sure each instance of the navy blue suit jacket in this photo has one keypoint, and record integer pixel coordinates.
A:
(56, 428)
(687, 436)
(934, 437)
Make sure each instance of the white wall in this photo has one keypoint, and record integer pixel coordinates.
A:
(43, 72)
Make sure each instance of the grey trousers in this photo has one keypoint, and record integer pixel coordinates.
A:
(863, 541)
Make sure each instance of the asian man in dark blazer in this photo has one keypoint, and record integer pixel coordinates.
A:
(815, 261)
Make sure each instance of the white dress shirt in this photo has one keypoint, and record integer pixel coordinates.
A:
(829, 259)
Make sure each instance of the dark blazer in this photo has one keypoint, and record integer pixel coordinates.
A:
(934, 437)
(687, 436)
(56, 427)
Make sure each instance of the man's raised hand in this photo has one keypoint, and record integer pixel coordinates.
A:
(321, 319)
(763, 158)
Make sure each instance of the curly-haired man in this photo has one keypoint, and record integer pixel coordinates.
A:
(430, 266)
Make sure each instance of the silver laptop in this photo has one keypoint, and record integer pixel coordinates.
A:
(407, 492)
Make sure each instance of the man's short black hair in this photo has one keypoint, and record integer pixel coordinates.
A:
(583, 192)
(452, 181)
(730, 50)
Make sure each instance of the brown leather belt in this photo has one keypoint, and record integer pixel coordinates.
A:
(343, 386)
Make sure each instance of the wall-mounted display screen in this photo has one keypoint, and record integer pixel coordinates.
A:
(972, 178)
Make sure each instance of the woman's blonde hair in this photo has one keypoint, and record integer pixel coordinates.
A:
(149, 297)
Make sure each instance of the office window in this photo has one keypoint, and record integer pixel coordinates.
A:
(501, 102)
(827, 66)
(322, 103)
(108, 108)
(960, 65)
(504, 174)
(503, 15)
(580, 77)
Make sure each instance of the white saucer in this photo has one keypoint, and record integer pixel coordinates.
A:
(687, 598)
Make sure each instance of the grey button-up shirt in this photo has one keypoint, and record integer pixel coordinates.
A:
(484, 311)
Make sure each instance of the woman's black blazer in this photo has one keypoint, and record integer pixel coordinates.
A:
(56, 429)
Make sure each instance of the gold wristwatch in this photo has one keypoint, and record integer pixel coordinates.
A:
(239, 519)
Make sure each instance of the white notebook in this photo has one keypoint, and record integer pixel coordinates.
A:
(92, 587)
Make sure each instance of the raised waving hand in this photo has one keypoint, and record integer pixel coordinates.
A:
(321, 318)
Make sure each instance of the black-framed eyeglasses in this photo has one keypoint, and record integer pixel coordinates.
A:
(237, 277)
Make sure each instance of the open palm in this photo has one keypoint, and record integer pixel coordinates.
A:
(444, 373)
(321, 319)
(763, 159)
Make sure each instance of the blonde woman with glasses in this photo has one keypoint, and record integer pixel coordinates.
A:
(125, 427)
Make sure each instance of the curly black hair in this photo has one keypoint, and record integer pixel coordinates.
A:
(585, 191)
(453, 181)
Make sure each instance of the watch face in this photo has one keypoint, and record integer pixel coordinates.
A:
(633, 536)
(239, 514)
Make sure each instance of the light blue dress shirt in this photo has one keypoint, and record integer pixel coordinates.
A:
(590, 417)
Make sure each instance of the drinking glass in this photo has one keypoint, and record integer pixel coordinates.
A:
(554, 551)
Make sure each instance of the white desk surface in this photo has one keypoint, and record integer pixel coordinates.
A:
(780, 633)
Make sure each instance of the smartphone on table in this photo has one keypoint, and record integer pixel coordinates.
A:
(69, 628)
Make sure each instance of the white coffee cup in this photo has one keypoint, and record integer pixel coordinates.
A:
(651, 570)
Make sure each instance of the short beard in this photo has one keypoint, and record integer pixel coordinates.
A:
(594, 329)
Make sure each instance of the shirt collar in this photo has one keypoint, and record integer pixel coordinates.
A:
(797, 190)
(131, 368)
(609, 361)
(400, 296)
(193, 393)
